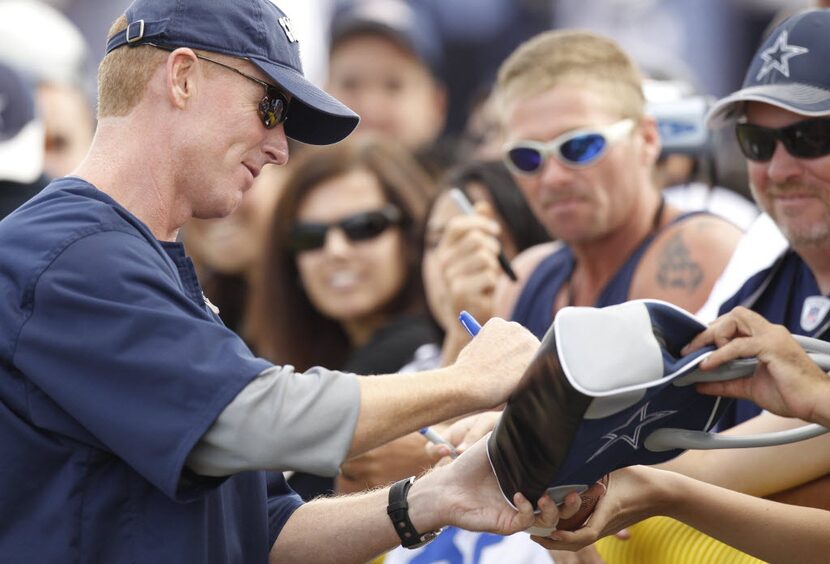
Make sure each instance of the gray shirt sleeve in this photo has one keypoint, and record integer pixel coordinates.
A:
(283, 420)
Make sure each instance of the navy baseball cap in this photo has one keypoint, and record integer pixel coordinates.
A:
(21, 133)
(255, 30)
(789, 70)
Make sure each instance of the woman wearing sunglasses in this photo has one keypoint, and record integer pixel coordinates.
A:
(340, 284)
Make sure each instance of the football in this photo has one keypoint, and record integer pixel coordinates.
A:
(589, 498)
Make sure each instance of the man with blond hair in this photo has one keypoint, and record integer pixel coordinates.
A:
(137, 425)
(583, 151)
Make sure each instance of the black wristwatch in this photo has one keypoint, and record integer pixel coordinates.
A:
(398, 510)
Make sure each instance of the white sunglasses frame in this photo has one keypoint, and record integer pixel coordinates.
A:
(611, 133)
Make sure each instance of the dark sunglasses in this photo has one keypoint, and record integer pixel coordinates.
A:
(575, 149)
(808, 139)
(272, 109)
(358, 227)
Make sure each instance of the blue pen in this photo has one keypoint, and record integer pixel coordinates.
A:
(473, 327)
(469, 322)
(437, 439)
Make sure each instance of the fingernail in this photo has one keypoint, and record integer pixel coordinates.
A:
(556, 537)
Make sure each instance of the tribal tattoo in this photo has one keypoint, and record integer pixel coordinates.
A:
(677, 269)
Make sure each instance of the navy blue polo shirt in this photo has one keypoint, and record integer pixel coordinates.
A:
(111, 369)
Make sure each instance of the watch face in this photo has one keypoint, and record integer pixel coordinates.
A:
(426, 538)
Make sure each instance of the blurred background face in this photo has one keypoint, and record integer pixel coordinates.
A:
(350, 281)
(391, 90)
(233, 244)
(438, 299)
(67, 119)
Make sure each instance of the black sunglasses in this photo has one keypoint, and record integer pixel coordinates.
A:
(358, 227)
(808, 139)
(273, 108)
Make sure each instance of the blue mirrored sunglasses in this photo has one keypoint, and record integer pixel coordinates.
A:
(575, 149)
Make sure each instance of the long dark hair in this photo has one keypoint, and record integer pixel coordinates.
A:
(285, 326)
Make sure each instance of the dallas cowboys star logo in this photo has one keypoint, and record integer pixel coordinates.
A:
(777, 56)
(639, 420)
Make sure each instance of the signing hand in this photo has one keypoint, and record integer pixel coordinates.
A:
(494, 361)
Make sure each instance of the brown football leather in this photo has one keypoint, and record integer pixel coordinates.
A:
(589, 498)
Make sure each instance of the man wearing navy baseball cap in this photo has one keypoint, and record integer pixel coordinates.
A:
(136, 426)
(781, 117)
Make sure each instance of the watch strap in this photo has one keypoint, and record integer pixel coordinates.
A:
(398, 511)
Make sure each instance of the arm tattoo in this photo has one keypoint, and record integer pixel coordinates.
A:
(676, 268)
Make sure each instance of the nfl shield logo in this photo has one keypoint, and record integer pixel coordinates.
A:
(814, 311)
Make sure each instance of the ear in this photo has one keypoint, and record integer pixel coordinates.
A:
(650, 136)
(182, 76)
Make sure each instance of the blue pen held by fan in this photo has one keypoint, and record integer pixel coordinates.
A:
(437, 439)
(473, 327)
(467, 208)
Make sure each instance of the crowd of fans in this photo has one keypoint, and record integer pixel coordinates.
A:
(354, 256)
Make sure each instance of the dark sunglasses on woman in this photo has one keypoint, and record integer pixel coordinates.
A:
(358, 227)
(808, 139)
(574, 149)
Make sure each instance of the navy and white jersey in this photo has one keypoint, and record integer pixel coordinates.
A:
(112, 367)
(787, 294)
(534, 307)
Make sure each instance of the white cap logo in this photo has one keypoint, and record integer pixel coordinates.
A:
(777, 56)
(285, 22)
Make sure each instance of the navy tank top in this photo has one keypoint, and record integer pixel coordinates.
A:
(534, 308)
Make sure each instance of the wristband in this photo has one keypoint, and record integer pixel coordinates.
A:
(398, 511)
